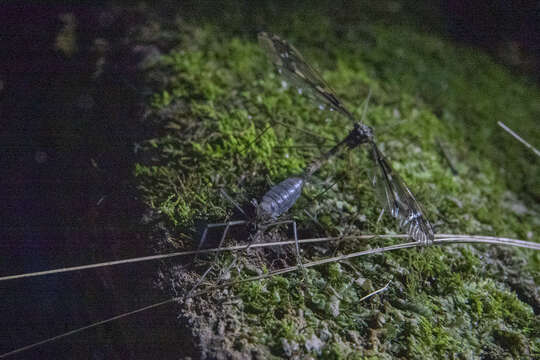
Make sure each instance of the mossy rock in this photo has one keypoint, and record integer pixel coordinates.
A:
(216, 95)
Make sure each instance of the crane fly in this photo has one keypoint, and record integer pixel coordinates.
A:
(395, 196)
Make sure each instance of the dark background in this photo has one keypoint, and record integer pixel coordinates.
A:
(67, 137)
(67, 194)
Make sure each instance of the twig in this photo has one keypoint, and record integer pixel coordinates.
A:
(376, 291)
(519, 138)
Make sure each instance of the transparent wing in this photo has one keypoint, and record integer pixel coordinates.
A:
(398, 200)
(292, 66)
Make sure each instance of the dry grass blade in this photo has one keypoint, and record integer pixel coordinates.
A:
(441, 238)
(519, 138)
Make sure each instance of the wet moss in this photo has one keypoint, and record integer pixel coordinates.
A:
(218, 94)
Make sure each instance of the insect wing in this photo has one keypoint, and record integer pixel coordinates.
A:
(398, 199)
(292, 66)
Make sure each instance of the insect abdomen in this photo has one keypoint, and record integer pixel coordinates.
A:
(282, 196)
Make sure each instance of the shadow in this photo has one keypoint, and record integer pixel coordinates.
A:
(71, 116)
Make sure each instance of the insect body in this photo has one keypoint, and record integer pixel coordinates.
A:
(394, 194)
(396, 197)
(275, 202)
(281, 197)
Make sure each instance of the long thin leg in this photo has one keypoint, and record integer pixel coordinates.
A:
(256, 138)
(209, 226)
(380, 216)
(298, 258)
(205, 233)
(295, 234)
(324, 191)
(233, 262)
(226, 224)
(259, 233)
(314, 219)
(231, 200)
(311, 133)
(223, 236)
(203, 238)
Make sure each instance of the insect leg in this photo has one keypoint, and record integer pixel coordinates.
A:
(298, 258)
(223, 236)
(267, 127)
(227, 225)
(295, 234)
(380, 216)
(210, 226)
(253, 239)
(232, 201)
(233, 262)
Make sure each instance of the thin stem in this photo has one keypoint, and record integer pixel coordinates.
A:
(183, 253)
(68, 333)
(519, 138)
(441, 240)
(457, 239)
(376, 291)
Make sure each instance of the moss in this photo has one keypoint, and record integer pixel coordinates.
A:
(219, 94)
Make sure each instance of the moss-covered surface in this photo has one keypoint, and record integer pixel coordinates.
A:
(217, 91)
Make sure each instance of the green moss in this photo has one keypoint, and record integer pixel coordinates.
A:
(219, 94)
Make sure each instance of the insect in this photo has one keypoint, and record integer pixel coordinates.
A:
(281, 197)
(274, 203)
(397, 199)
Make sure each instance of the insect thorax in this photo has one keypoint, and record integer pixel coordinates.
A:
(360, 134)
